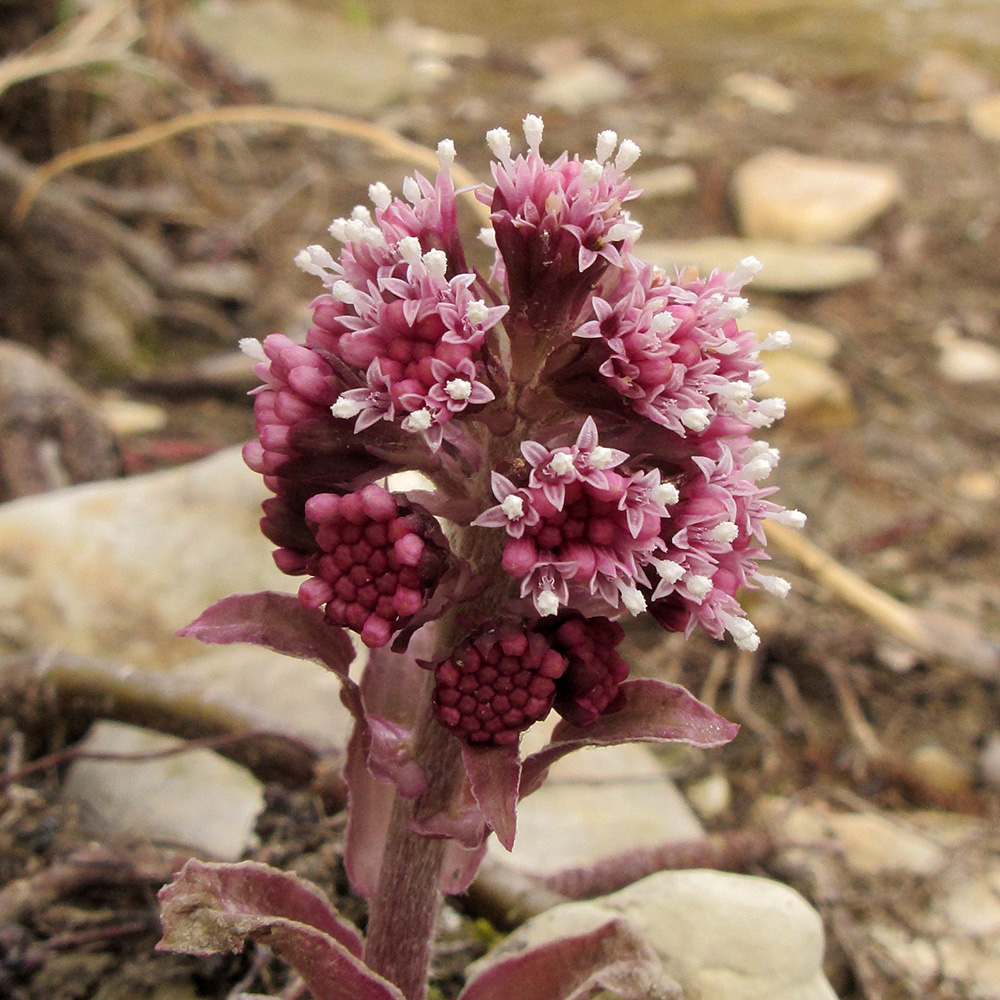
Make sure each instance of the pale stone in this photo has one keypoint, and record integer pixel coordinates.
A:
(787, 268)
(308, 55)
(984, 117)
(275, 693)
(580, 84)
(948, 76)
(597, 802)
(761, 92)
(665, 182)
(989, 759)
(940, 770)
(972, 907)
(112, 569)
(196, 798)
(964, 360)
(783, 195)
(718, 936)
(917, 957)
(815, 395)
(873, 844)
(129, 417)
(711, 796)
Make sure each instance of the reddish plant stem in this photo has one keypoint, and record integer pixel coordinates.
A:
(403, 912)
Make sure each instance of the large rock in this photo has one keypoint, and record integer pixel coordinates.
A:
(112, 569)
(783, 195)
(787, 268)
(719, 936)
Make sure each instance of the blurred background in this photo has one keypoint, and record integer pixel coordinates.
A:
(852, 145)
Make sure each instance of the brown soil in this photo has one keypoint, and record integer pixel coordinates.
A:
(907, 495)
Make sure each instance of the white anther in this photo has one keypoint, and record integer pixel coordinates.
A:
(724, 531)
(446, 153)
(314, 260)
(789, 518)
(513, 507)
(253, 348)
(775, 341)
(488, 237)
(533, 127)
(409, 249)
(734, 307)
(373, 237)
(591, 172)
(664, 322)
(343, 291)
(546, 603)
(498, 139)
(668, 570)
(762, 464)
(751, 264)
(606, 142)
(477, 311)
(633, 600)
(458, 388)
(601, 457)
(737, 391)
(561, 463)
(418, 420)
(354, 230)
(411, 190)
(744, 634)
(337, 229)
(628, 153)
(776, 585)
(380, 195)
(758, 377)
(362, 213)
(627, 229)
(695, 418)
(698, 586)
(665, 493)
(343, 408)
(773, 407)
(436, 262)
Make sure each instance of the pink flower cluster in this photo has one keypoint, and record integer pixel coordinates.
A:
(583, 422)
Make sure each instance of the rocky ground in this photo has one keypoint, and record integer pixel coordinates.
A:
(867, 770)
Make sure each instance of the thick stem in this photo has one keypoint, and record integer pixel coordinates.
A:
(404, 910)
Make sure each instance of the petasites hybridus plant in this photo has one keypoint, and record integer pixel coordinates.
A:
(582, 422)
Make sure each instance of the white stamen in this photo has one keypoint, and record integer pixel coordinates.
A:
(758, 378)
(477, 311)
(362, 213)
(628, 153)
(633, 600)
(419, 420)
(744, 634)
(773, 408)
(354, 230)
(446, 153)
(668, 569)
(699, 587)
(314, 260)
(488, 237)
(724, 531)
(776, 585)
(498, 139)
(409, 249)
(533, 127)
(436, 262)
(601, 457)
(762, 464)
(666, 493)
(664, 322)
(751, 264)
(373, 237)
(606, 142)
(591, 172)
(343, 408)
(561, 463)
(380, 195)
(734, 307)
(546, 603)
(513, 507)
(337, 229)
(789, 518)
(775, 341)
(695, 418)
(458, 388)
(737, 391)
(253, 348)
(627, 229)
(411, 190)
(343, 291)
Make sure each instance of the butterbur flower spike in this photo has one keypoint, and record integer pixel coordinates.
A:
(583, 425)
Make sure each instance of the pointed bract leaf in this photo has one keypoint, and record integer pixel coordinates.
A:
(653, 712)
(210, 908)
(278, 622)
(612, 958)
(494, 774)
